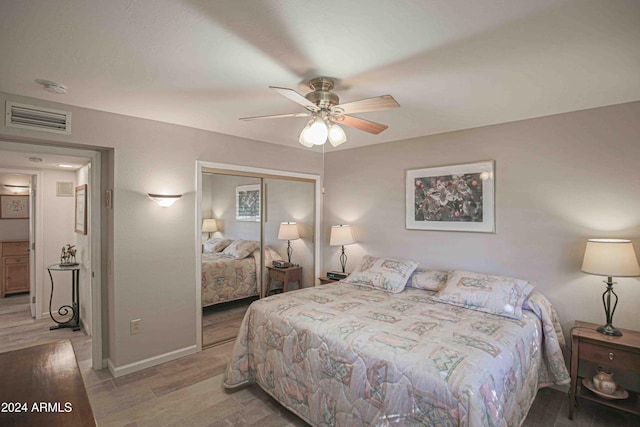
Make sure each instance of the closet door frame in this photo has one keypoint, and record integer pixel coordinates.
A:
(231, 169)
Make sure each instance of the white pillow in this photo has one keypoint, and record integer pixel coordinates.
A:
(216, 245)
(241, 248)
(387, 274)
(498, 295)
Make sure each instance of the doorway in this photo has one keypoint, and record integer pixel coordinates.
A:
(227, 196)
(53, 199)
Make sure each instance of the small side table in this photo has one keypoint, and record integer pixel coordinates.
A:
(324, 280)
(615, 352)
(74, 321)
(284, 275)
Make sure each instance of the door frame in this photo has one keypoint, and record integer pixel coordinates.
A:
(35, 285)
(95, 181)
(266, 173)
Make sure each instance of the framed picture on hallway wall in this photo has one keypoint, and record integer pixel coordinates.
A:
(248, 202)
(451, 198)
(14, 207)
(81, 209)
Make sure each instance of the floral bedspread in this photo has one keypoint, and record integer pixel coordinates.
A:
(347, 355)
(227, 279)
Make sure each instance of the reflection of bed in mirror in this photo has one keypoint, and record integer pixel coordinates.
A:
(230, 270)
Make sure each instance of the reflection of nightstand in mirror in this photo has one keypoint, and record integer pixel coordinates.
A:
(284, 275)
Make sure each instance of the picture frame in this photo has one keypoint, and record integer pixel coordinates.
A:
(248, 203)
(452, 198)
(80, 226)
(14, 207)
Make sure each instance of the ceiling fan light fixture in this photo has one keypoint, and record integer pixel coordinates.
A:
(314, 133)
(336, 135)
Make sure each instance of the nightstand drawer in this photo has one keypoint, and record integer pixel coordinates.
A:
(609, 356)
(15, 248)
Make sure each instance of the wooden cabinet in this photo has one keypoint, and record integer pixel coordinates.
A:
(325, 280)
(609, 351)
(14, 256)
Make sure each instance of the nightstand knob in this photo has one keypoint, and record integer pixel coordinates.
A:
(611, 356)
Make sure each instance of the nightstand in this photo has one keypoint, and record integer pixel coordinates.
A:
(284, 275)
(324, 280)
(613, 352)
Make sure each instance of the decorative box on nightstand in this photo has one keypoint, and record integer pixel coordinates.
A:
(616, 353)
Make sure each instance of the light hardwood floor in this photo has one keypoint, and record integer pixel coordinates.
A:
(220, 322)
(189, 392)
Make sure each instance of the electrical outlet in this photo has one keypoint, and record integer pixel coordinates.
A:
(136, 326)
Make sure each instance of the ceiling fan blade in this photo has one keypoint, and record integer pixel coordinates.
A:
(384, 102)
(276, 116)
(361, 124)
(296, 97)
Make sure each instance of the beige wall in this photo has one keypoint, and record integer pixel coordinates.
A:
(559, 180)
(150, 253)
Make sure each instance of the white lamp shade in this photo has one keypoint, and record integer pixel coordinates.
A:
(314, 134)
(610, 257)
(209, 225)
(341, 235)
(336, 135)
(288, 231)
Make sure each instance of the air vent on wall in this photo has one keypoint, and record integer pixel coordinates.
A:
(38, 118)
(64, 189)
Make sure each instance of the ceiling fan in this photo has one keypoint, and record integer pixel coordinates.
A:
(326, 112)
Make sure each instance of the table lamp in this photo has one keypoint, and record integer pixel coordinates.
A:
(209, 225)
(288, 231)
(341, 235)
(610, 257)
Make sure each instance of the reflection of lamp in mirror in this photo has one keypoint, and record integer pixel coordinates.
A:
(288, 231)
(209, 225)
(341, 235)
(610, 257)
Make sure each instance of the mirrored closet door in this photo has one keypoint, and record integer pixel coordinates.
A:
(258, 239)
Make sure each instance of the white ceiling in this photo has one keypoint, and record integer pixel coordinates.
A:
(27, 160)
(451, 64)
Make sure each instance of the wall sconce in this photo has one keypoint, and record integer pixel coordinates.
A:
(341, 235)
(164, 200)
(288, 231)
(209, 225)
(17, 189)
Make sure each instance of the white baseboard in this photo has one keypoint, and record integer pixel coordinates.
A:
(85, 328)
(105, 363)
(152, 361)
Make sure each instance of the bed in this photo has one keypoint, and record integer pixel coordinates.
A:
(350, 354)
(229, 270)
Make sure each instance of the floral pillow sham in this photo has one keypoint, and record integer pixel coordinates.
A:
(216, 244)
(429, 280)
(241, 248)
(386, 274)
(498, 295)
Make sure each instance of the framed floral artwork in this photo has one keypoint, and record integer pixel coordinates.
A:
(248, 202)
(451, 198)
(14, 207)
